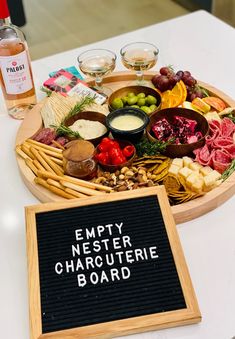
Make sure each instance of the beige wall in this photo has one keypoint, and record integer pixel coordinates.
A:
(225, 10)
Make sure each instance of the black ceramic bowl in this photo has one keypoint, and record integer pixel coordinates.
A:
(133, 135)
(176, 150)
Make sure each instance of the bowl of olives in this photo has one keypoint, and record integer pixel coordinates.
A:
(145, 98)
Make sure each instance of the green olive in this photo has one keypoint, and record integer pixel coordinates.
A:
(117, 103)
(132, 100)
(141, 95)
(130, 94)
(124, 100)
(151, 100)
(153, 108)
(146, 109)
(141, 102)
(135, 106)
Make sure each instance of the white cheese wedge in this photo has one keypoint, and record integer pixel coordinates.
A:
(195, 166)
(193, 177)
(205, 170)
(187, 161)
(197, 186)
(211, 178)
(185, 172)
(178, 162)
(174, 169)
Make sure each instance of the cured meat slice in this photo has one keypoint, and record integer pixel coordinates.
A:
(203, 155)
(62, 140)
(227, 127)
(45, 136)
(220, 160)
(219, 149)
(221, 142)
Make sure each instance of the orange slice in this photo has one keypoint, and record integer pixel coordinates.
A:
(166, 99)
(175, 97)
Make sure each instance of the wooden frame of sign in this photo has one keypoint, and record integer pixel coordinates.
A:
(107, 329)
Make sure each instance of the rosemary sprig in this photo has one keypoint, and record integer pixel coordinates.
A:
(146, 147)
(64, 130)
(228, 171)
(85, 101)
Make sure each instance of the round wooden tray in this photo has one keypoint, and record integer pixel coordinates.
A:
(184, 212)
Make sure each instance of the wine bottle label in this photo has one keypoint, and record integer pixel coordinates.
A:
(16, 73)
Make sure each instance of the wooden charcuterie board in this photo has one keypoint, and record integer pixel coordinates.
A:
(182, 213)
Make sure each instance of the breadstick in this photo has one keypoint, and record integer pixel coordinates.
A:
(55, 167)
(38, 165)
(44, 146)
(88, 184)
(75, 193)
(48, 152)
(31, 165)
(81, 189)
(21, 153)
(39, 157)
(55, 183)
(60, 192)
(53, 189)
(27, 151)
(75, 181)
(56, 160)
(41, 182)
(58, 145)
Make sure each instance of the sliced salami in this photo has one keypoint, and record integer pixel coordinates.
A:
(45, 136)
(227, 127)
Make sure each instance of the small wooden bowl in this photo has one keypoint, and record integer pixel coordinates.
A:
(128, 163)
(92, 116)
(174, 150)
(122, 92)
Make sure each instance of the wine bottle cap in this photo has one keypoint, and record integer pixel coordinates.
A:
(4, 11)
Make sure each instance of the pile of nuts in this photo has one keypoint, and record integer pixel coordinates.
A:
(127, 179)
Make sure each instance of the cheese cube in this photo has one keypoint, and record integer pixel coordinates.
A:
(205, 170)
(178, 162)
(174, 170)
(211, 178)
(187, 161)
(197, 186)
(192, 178)
(185, 172)
(195, 166)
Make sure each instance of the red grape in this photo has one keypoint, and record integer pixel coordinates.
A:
(162, 83)
(190, 81)
(165, 71)
(180, 74)
(187, 73)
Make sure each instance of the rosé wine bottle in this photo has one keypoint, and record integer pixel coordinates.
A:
(15, 68)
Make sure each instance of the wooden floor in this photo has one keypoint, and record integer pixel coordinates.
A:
(57, 25)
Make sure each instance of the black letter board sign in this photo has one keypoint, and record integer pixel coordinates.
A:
(107, 266)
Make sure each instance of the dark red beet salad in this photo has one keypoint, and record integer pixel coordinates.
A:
(180, 131)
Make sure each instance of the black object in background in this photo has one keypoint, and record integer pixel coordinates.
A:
(153, 286)
(194, 5)
(17, 13)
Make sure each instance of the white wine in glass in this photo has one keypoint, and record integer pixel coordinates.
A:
(139, 57)
(97, 63)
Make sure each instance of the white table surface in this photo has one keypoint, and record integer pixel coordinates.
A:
(197, 42)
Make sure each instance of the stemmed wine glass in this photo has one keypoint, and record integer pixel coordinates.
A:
(97, 63)
(139, 56)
